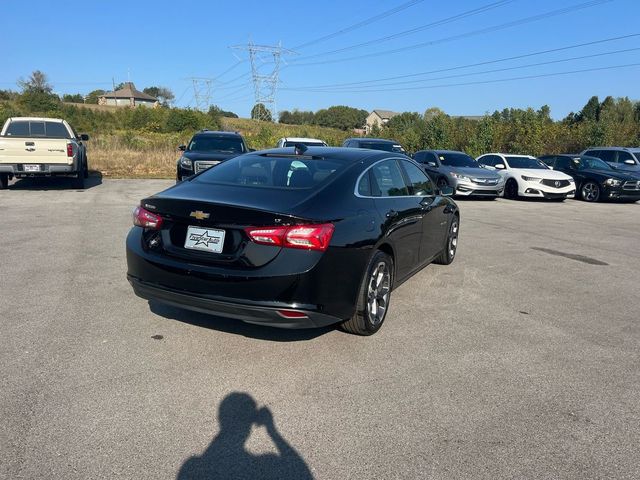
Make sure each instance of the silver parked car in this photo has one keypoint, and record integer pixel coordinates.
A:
(461, 172)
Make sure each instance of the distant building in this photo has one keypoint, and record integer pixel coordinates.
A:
(128, 96)
(378, 117)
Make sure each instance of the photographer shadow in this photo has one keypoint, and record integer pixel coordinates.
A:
(226, 456)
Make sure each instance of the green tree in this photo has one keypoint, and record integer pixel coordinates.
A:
(341, 116)
(591, 111)
(37, 82)
(164, 95)
(73, 98)
(92, 97)
(260, 112)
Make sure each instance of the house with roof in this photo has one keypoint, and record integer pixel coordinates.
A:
(378, 117)
(128, 96)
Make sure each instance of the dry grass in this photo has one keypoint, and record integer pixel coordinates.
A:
(129, 154)
(134, 156)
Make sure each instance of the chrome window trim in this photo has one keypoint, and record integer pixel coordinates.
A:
(355, 190)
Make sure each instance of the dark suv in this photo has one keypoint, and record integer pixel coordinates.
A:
(620, 158)
(374, 144)
(206, 149)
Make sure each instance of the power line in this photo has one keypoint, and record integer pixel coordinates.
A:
(360, 24)
(374, 88)
(460, 67)
(499, 80)
(502, 26)
(411, 31)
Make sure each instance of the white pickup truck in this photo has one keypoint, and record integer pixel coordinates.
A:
(41, 147)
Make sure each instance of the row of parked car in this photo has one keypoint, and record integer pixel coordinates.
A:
(595, 174)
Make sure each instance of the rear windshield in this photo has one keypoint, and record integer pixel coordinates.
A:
(295, 172)
(457, 160)
(36, 129)
(209, 143)
(525, 162)
(308, 144)
(387, 147)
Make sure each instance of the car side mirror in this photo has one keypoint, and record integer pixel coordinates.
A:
(432, 164)
(500, 166)
(629, 162)
(182, 148)
(84, 137)
(252, 149)
(446, 190)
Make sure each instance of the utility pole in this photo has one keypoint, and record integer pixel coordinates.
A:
(265, 71)
(202, 92)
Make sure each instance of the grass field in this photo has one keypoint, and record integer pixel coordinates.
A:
(130, 154)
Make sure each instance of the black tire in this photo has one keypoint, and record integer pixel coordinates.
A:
(374, 296)
(590, 191)
(511, 189)
(448, 253)
(4, 181)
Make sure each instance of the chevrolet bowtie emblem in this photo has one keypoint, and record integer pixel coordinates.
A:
(199, 215)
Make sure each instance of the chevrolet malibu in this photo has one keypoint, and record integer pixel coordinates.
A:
(295, 238)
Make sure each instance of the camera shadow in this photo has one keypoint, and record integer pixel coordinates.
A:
(226, 456)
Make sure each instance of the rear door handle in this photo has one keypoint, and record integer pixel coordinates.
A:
(392, 214)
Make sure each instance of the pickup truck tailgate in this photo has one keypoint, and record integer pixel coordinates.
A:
(33, 150)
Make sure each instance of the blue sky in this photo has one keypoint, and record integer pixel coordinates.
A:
(81, 46)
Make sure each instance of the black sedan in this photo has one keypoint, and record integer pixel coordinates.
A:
(293, 238)
(595, 179)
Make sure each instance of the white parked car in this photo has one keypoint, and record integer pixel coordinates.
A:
(307, 142)
(527, 176)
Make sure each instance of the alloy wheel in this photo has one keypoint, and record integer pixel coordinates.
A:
(590, 192)
(452, 244)
(378, 293)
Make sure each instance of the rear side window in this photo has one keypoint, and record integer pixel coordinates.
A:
(622, 156)
(295, 172)
(25, 128)
(388, 179)
(607, 155)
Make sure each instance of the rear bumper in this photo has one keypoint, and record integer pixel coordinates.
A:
(255, 313)
(45, 169)
(293, 280)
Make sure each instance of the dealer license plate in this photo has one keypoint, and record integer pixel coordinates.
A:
(205, 239)
(31, 168)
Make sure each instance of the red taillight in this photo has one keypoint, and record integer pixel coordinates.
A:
(307, 237)
(69, 150)
(292, 314)
(146, 219)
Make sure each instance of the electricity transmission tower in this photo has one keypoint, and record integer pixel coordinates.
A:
(202, 92)
(265, 70)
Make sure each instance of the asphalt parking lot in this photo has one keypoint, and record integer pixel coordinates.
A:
(520, 360)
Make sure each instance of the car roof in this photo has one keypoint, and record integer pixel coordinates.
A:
(374, 140)
(343, 153)
(442, 151)
(218, 133)
(612, 148)
(301, 139)
(35, 119)
(511, 155)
